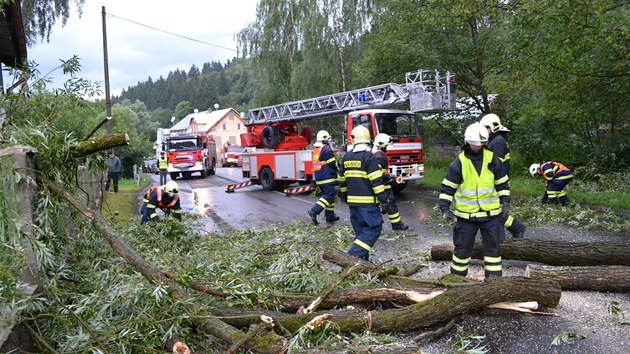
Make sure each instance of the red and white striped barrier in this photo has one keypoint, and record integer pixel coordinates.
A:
(296, 190)
(231, 187)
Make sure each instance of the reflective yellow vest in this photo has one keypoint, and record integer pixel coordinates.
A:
(477, 192)
(162, 163)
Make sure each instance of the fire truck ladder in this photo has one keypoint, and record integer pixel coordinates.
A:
(425, 91)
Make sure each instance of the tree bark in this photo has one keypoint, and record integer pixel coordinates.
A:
(89, 147)
(597, 278)
(550, 252)
(453, 302)
(345, 260)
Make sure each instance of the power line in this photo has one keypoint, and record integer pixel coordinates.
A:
(172, 34)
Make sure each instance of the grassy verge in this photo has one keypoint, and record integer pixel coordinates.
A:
(614, 196)
(122, 207)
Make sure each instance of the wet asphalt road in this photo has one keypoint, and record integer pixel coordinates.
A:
(579, 312)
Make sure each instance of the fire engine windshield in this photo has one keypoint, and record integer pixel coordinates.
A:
(397, 124)
(182, 145)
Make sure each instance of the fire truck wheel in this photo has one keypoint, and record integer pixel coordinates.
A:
(267, 181)
(213, 167)
(174, 176)
(398, 187)
(270, 137)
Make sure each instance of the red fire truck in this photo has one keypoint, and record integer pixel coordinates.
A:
(189, 153)
(277, 152)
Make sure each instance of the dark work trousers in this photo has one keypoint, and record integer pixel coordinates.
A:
(327, 201)
(367, 224)
(163, 174)
(555, 193)
(464, 234)
(392, 208)
(112, 176)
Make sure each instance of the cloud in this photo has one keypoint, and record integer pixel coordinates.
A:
(138, 45)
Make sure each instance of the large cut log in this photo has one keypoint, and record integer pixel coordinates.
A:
(550, 252)
(103, 143)
(345, 260)
(365, 295)
(453, 302)
(597, 278)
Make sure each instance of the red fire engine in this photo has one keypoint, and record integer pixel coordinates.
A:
(278, 154)
(189, 153)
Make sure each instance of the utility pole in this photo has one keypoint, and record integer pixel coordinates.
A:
(108, 101)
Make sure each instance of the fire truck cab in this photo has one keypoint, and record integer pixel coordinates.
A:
(190, 153)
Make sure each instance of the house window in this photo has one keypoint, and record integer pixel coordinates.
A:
(238, 126)
(224, 126)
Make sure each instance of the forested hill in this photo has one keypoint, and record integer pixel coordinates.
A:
(229, 85)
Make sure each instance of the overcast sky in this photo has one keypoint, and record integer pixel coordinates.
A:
(136, 51)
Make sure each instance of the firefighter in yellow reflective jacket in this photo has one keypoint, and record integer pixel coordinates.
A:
(361, 180)
(165, 197)
(162, 163)
(325, 173)
(478, 185)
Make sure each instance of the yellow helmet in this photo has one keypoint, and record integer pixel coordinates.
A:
(360, 134)
(382, 140)
(171, 188)
(476, 134)
(323, 136)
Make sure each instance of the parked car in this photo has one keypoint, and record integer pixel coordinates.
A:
(232, 155)
(150, 166)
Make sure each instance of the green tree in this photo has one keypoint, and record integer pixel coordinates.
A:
(569, 78)
(39, 16)
(182, 109)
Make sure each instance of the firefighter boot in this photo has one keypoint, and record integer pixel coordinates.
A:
(399, 226)
(332, 218)
(313, 216)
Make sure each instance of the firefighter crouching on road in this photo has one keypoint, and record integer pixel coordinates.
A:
(362, 188)
(325, 173)
(163, 167)
(381, 142)
(478, 185)
(499, 147)
(165, 197)
(557, 176)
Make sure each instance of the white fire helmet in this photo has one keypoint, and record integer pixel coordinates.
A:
(171, 188)
(382, 140)
(476, 134)
(533, 169)
(493, 122)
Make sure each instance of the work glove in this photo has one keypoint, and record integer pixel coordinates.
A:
(448, 215)
(505, 212)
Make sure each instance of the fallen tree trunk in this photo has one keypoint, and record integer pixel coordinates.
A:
(102, 143)
(550, 252)
(345, 297)
(453, 302)
(597, 278)
(268, 343)
(345, 260)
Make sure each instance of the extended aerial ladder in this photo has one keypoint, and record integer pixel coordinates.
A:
(280, 150)
(426, 91)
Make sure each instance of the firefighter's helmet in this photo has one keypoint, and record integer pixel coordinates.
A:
(533, 169)
(382, 140)
(171, 188)
(323, 136)
(493, 122)
(360, 134)
(476, 134)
